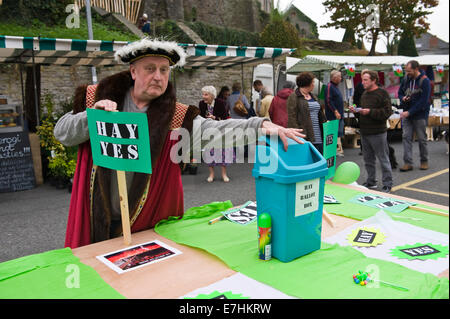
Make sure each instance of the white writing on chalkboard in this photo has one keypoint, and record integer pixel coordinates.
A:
(8, 147)
(16, 165)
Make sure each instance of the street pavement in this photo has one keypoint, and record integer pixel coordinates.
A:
(34, 221)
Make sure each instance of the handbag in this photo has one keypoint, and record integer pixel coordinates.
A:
(239, 107)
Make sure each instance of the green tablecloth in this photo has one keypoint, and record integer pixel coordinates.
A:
(361, 212)
(56, 274)
(326, 273)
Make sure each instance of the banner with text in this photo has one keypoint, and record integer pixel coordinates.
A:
(330, 135)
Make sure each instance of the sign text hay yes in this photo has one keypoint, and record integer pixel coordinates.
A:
(120, 140)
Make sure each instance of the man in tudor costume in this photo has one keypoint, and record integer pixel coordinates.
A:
(94, 212)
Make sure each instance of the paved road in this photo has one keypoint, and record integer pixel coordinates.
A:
(34, 221)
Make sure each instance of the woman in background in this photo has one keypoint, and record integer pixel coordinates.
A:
(215, 109)
(305, 112)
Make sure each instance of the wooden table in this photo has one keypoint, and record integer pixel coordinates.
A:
(193, 269)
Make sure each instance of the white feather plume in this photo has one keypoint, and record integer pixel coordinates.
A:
(153, 44)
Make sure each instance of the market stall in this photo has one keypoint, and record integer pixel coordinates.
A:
(390, 69)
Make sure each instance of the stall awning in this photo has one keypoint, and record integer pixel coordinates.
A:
(315, 63)
(14, 49)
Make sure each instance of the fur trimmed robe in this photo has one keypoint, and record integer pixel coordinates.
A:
(151, 197)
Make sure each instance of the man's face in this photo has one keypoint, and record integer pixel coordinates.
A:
(410, 72)
(337, 78)
(257, 87)
(367, 82)
(151, 77)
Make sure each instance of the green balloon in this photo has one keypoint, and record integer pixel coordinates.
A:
(346, 173)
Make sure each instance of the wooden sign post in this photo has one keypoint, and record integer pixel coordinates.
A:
(124, 213)
(120, 141)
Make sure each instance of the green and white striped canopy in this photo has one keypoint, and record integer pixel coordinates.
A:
(14, 49)
(316, 63)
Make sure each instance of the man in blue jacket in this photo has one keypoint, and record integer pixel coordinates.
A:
(414, 94)
(334, 106)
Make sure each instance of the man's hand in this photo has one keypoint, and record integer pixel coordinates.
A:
(106, 105)
(337, 114)
(364, 111)
(270, 128)
(404, 115)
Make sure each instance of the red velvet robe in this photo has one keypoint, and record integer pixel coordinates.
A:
(164, 197)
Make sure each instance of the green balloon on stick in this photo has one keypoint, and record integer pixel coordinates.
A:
(346, 173)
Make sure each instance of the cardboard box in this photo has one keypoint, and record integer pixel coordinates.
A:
(351, 141)
(434, 120)
(394, 123)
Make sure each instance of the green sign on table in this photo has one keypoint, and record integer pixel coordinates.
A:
(330, 132)
(120, 140)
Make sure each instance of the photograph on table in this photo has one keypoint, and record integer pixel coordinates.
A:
(138, 256)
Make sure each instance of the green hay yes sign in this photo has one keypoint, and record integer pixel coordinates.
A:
(120, 140)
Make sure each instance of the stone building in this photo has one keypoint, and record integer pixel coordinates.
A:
(430, 44)
(244, 14)
(306, 27)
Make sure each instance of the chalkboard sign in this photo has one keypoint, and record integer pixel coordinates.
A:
(16, 162)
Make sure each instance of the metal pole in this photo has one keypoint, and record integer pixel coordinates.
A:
(90, 36)
(242, 78)
(273, 76)
(25, 127)
(36, 103)
(21, 85)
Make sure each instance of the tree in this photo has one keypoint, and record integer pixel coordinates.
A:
(373, 18)
(406, 45)
(23, 12)
(279, 33)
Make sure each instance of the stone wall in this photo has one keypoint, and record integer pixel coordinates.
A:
(190, 83)
(242, 14)
(61, 81)
(10, 83)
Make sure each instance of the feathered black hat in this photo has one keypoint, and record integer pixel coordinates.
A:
(152, 47)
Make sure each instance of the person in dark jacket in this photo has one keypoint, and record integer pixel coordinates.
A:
(414, 94)
(334, 106)
(214, 108)
(305, 112)
(375, 109)
(278, 110)
(359, 90)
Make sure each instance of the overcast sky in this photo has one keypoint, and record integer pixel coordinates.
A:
(315, 11)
